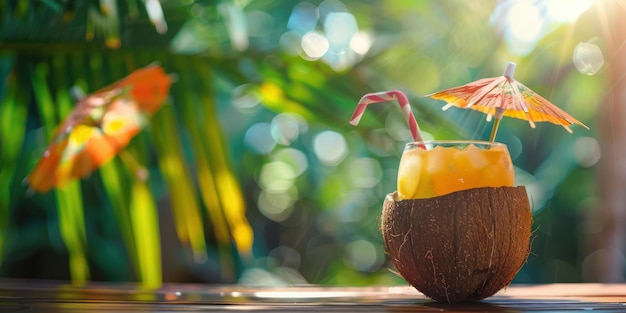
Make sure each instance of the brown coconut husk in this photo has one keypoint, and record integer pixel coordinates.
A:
(460, 247)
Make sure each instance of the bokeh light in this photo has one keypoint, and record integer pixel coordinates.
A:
(277, 205)
(245, 99)
(314, 45)
(328, 32)
(339, 28)
(588, 58)
(366, 172)
(294, 158)
(284, 256)
(361, 42)
(587, 151)
(364, 255)
(330, 147)
(259, 138)
(276, 177)
(303, 18)
(286, 127)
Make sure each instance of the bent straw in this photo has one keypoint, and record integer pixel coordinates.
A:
(384, 96)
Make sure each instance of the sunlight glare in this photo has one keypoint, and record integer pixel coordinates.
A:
(565, 11)
(525, 22)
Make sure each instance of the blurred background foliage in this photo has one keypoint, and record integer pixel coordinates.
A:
(255, 175)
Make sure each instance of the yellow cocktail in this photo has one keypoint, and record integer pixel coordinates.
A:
(436, 168)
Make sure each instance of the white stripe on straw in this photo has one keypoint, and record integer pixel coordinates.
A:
(384, 96)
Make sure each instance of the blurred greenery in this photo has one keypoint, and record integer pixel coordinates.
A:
(256, 177)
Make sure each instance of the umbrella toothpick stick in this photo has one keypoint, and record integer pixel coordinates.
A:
(385, 96)
(496, 123)
(509, 70)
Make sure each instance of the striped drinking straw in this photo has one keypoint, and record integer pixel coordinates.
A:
(384, 96)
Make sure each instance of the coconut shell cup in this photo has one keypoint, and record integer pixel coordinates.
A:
(460, 247)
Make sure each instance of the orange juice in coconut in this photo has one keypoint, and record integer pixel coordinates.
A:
(449, 166)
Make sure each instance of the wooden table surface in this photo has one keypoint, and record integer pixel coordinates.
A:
(37, 296)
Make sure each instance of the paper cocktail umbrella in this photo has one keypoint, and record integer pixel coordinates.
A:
(504, 96)
(100, 125)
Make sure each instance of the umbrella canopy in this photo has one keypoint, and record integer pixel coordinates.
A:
(100, 125)
(504, 96)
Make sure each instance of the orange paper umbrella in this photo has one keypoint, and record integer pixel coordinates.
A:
(504, 96)
(100, 126)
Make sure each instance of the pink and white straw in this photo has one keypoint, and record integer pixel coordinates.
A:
(384, 96)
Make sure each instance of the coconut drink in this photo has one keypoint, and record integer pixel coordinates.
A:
(457, 228)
